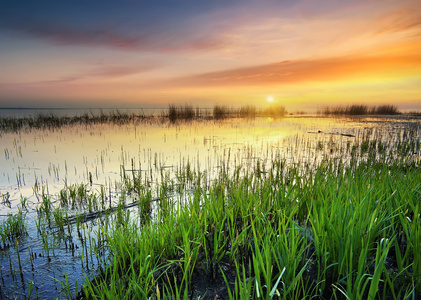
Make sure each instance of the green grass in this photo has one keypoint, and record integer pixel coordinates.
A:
(12, 228)
(335, 231)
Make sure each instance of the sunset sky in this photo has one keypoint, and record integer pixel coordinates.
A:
(299, 53)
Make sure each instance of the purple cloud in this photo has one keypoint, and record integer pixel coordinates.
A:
(105, 72)
(147, 40)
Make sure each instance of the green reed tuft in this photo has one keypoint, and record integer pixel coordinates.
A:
(12, 228)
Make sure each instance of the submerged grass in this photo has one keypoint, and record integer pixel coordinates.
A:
(12, 228)
(336, 231)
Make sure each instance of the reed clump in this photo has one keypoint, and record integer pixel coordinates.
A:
(274, 111)
(186, 113)
(385, 110)
(360, 110)
(248, 111)
(12, 228)
(220, 112)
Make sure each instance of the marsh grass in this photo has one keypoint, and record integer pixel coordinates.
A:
(274, 111)
(5, 199)
(340, 230)
(12, 228)
(186, 113)
(343, 227)
(174, 114)
(222, 112)
(360, 109)
(51, 121)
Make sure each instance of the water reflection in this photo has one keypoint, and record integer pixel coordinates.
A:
(40, 163)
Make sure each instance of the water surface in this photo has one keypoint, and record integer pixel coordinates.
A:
(42, 162)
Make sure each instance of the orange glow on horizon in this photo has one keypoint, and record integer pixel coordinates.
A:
(366, 52)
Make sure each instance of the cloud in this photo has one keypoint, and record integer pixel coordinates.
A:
(140, 40)
(402, 19)
(297, 71)
(101, 72)
(119, 71)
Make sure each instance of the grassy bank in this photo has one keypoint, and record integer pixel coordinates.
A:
(335, 231)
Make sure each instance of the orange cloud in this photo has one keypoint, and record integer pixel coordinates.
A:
(326, 69)
(407, 18)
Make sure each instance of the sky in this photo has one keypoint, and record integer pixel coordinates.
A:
(140, 53)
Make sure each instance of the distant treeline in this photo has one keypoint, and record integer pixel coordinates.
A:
(219, 112)
(356, 110)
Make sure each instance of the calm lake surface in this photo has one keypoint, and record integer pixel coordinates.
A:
(36, 163)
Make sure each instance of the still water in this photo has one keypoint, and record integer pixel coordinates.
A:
(36, 163)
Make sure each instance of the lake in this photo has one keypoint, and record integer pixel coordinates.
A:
(94, 160)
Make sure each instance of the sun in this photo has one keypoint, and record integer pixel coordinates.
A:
(270, 98)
